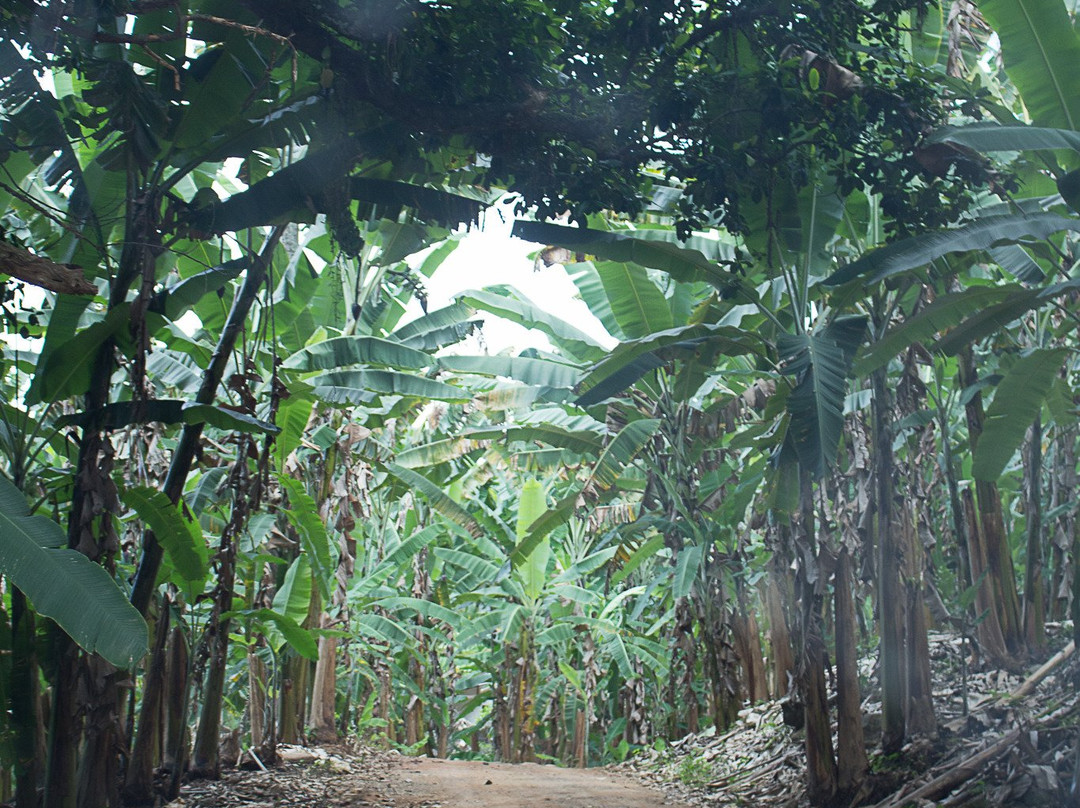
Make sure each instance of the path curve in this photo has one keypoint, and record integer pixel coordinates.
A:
(430, 782)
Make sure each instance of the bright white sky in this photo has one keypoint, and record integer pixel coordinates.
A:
(488, 256)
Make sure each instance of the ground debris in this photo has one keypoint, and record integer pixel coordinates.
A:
(1017, 734)
(1010, 742)
(309, 777)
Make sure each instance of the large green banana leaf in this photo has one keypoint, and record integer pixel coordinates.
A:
(536, 372)
(507, 302)
(1041, 50)
(181, 537)
(980, 234)
(631, 360)
(339, 352)
(67, 586)
(303, 512)
(1017, 400)
(682, 264)
(821, 362)
(356, 387)
(638, 305)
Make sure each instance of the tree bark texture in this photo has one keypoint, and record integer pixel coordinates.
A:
(852, 763)
(821, 769)
(147, 747)
(990, 535)
(1034, 604)
(889, 601)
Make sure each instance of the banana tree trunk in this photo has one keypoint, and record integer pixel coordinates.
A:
(919, 718)
(777, 593)
(25, 702)
(852, 763)
(889, 559)
(147, 748)
(205, 762)
(1063, 492)
(720, 661)
(747, 638)
(1034, 605)
(257, 690)
(323, 726)
(177, 690)
(682, 672)
(990, 533)
(821, 770)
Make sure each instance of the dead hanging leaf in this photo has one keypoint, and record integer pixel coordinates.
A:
(549, 256)
(937, 159)
(356, 433)
(757, 395)
(822, 75)
(62, 278)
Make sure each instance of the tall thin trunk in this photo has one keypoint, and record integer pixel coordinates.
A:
(889, 609)
(323, 726)
(852, 763)
(65, 729)
(146, 750)
(1034, 606)
(780, 645)
(991, 531)
(821, 768)
(257, 689)
(503, 720)
(1063, 492)
(184, 455)
(291, 695)
(585, 715)
(177, 690)
(204, 758)
(919, 716)
(25, 702)
(747, 639)
(988, 628)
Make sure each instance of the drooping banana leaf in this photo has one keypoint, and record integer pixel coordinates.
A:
(682, 264)
(181, 537)
(65, 585)
(339, 352)
(1017, 400)
(507, 302)
(631, 360)
(1040, 48)
(821, 363)
(980, 234)
(987, 136)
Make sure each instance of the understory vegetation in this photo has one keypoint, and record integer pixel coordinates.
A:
(256, 490)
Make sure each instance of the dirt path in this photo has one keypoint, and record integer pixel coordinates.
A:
(343, 778)
(427, 782)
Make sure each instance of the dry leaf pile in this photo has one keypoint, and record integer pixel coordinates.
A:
(1014, 745)
(307, 778)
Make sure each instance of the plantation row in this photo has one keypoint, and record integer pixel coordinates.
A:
(249, 493)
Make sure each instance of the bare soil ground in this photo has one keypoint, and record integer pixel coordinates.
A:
(426, 783)
(344, 779)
